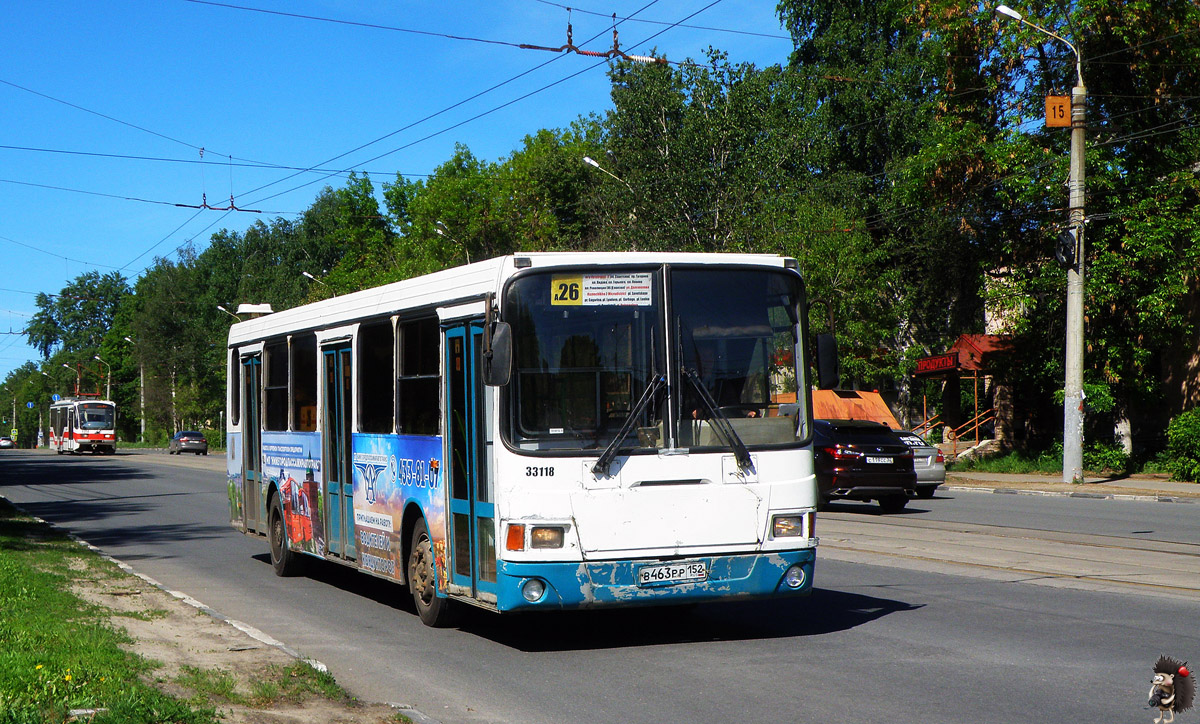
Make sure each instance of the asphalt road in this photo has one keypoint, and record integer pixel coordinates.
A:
(913, 619)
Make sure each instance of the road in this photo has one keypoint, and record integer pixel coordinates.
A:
(916, 617)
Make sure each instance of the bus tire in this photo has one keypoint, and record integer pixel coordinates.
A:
(422, 576)
(283, 560)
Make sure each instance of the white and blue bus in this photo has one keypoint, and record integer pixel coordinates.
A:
(537, 431)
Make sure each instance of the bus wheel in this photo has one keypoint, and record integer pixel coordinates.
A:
(422, 573)
(284, 561)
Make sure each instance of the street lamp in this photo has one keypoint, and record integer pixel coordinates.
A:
(108, 382)
(223, 309)
(41, 428)
(78, 377)
(1073, 383)
(441, 230)
(306, 274)
(141, 395)
(632, 214)
(592, 162)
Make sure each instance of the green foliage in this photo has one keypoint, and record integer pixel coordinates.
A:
(1182, 456)
(1049, 461)
(898, 155)
(1097, 458)
(76, 319)
(1103, 458)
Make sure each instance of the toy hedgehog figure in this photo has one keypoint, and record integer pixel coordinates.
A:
(1172, 689)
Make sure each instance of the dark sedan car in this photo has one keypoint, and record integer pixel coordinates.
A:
(188, 441)
(862, 460)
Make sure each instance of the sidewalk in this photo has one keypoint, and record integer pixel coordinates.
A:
(1140, 487)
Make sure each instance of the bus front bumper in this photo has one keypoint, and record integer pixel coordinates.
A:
(591, 584)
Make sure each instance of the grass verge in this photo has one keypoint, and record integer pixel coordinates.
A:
(59, 654)
(64, 659)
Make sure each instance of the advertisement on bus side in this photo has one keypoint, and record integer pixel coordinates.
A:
(390, 471)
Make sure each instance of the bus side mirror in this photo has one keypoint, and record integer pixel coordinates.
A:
(827, 361)
(497, 361)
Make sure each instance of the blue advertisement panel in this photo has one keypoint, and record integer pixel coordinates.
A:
(390, 471)
(292, 462)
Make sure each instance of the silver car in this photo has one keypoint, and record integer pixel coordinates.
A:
(928, 461)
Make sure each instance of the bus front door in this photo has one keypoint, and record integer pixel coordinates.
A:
(472, 508)
(251, 443)
(339, 485)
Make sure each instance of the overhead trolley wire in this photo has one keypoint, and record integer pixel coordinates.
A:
(428, 118)
(400, 130)
(664, 22)
(373, 26)
(496, 108)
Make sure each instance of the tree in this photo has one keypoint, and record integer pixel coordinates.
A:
(76, 319)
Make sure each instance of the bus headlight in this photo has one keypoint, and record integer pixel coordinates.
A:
(546, 537)
(787, 526)
(794, 577)
(533, 590)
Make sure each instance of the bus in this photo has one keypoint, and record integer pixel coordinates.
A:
(537, 431)
(83, 424)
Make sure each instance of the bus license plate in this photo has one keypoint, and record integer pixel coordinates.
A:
(879, 461)
(672, 573)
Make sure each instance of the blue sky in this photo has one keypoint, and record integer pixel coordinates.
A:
(90, 84)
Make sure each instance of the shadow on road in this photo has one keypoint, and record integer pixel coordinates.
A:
(64, 470)
(72, 508)
(823, 612)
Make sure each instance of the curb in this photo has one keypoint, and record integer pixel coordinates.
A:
(245, 628)
(1071, 494)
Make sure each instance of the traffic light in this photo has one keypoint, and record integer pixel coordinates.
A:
(1064, 248)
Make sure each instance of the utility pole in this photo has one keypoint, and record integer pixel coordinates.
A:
(1073, 382)
(141, 395)
(1073, 388)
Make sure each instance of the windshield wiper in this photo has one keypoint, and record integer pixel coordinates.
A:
(720, 422)
(610, 452)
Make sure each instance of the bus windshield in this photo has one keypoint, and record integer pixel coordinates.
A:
(587, 346)
(95, 416)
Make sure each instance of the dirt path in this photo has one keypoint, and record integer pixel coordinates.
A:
(193, 646)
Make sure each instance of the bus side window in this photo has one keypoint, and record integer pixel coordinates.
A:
(304, 382)
(276, 413)
(418, 381)
(376, 354)
(235, 389)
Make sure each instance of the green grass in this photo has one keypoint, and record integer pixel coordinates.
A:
(278, 684)
(58, 652)
(1098, 459)
(1012, 462)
